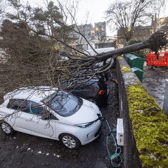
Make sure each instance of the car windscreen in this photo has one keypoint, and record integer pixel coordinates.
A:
(63, 103)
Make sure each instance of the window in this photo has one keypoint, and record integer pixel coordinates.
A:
(25, 106)
(34, 107)
(31, 107)
(17, 104)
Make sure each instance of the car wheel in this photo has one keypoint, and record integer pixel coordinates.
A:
(92, 100)
(6, 128)
(69, 141)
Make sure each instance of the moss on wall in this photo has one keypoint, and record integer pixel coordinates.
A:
(119, 58)
(126, 69)
(150, 127)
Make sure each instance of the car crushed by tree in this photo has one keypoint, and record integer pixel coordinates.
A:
(29, 32)
(51, 113)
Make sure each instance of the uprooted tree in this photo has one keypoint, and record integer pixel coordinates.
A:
(39, 50)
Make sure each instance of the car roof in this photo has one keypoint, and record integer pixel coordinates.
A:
(36, 93)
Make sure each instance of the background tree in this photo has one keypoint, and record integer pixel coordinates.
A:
(125, 16)
(31, 56)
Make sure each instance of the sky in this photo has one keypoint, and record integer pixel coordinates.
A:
(95, 9)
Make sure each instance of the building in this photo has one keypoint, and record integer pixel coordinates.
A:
(95, 35)
(100, 31)
(143, 32)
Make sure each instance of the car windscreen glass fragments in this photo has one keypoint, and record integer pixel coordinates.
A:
(65, 104)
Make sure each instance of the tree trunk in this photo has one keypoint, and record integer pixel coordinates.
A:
(155, 42)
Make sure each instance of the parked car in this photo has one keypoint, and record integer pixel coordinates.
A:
(94, 90)
(51, 113)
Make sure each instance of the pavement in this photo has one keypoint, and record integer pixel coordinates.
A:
(154, 82)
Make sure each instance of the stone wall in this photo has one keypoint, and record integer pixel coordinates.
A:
(145, 124)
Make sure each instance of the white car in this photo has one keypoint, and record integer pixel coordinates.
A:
(50, 113)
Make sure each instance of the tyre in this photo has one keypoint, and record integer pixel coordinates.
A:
(92, 100)
(6, 128)
(69, 141)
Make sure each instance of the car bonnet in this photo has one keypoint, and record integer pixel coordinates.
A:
(87, 113)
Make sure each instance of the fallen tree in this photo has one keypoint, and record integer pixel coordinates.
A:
(29, 36)
(155, 42)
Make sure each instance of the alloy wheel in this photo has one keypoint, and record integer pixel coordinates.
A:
(69, 141)
(6, 128)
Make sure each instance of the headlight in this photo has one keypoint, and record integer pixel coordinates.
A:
(84, 125)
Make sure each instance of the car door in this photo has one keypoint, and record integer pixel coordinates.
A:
(40, 126)
(18, 115)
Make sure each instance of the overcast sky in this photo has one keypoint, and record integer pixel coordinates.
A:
(95, 9)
